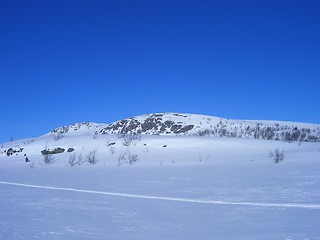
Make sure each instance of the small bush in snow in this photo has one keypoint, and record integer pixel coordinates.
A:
(277, 155)
(80, 159)
(129, 138)
(122, 159)
(58, 136)
(146, 148)
(95, 135)
(74, 160)
(48, 158)
(91, 157)
(128, 158)
(111, 146)
(205, 132)
(132, 158)
(112, 149)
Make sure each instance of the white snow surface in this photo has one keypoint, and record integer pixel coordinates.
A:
(180, 187)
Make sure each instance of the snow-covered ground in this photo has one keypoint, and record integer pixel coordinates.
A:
(178, 187)
(195, 188)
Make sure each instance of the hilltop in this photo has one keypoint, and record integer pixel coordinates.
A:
(199, 125)
(162, 138)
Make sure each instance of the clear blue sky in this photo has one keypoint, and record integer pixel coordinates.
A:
(63, 62)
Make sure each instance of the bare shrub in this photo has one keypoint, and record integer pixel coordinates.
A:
(205, 132)
(58, 136)
(95, 135)
(122, 159)
(112, 149)
(127, 158)
(132, 158)
(111, 146)
(26, 142)
(91, 157)
(130, 138)
(277, 155)
(48, 158)
(74, 160)
(146, 148)
(80, 161)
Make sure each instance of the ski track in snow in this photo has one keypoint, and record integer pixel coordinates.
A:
(280, 205)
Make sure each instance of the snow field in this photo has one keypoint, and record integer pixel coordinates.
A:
(194, 188)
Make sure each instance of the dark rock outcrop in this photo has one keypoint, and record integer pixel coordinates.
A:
(154, 124)
(53, 151)
(11, 151)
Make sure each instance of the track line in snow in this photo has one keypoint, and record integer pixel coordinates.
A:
(280, 205)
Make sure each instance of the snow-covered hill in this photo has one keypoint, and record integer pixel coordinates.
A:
(156, 176)
(200, 125)
(161, 138)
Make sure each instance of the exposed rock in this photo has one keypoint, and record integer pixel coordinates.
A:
(74, 127)
(153, 124)
(179, 115)
(11, 151)
(54, 151)
(70, 150)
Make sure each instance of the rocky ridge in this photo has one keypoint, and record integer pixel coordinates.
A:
(201, 125)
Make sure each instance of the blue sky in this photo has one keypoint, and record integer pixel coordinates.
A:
(63, 62)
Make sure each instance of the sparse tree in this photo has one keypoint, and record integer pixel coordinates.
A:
(80, 161)
(111, 146)
(57, 136)
(112, 149)
(130, 138)
(277, 155)
(72, 160)
(122, 159)
(48, 158)
(132, 158)
(95, 135)
(91, 157)
(146, 148)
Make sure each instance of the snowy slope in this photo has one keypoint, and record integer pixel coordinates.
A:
(201, 125)
(235, 199)
(160, 184)
(161, 137)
